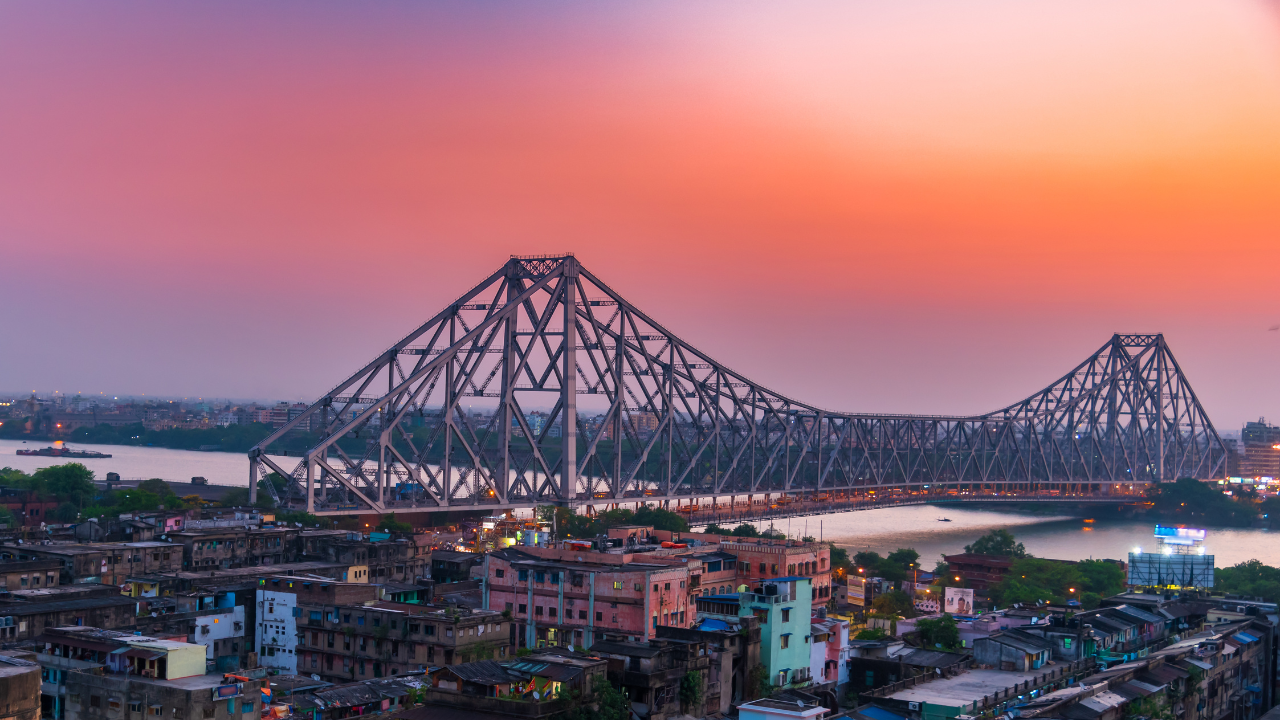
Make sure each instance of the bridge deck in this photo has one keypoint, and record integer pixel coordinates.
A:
(708, 513)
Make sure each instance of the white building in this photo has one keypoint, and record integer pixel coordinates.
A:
(276, 637)
(221, 634)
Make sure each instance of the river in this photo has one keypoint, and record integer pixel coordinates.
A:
(917, 526)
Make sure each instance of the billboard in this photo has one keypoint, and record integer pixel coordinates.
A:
(857, 591)
(1180, 535)
(1170, 571)
(958, 601)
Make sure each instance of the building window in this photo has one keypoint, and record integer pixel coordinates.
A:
(551, 612)
(786, 615)
(617, 584)
(500, 573)
(555, 578)
(540, 576)
(666, 586)
(523, 575)
(599, 616)
(775, 569)
(761, 568)
(786, 641)
(537, 610)
(155, 710)
(524, 609)
(582, 614)
(638, 588)
(95, 701)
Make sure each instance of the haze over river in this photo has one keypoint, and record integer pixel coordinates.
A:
(1052, 536)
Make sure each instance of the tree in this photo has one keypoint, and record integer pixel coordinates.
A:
(714, 529)
(65, 513)
(691, 692)
(939, 632)
(389, 524)
(746, 530)
(660, 519)
(997, 542)
(871, 634)
(1032, 580)
(135, 500)
(1100, 577)
(235, 497)
(893, 603)
(868, 562)
(840, 561)
(1250, 578)
(904, 558)
(6, 518)
(1189, 500)
(70, 482)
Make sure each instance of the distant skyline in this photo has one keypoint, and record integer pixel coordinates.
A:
(911, 207)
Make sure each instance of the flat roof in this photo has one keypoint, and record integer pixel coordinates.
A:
(965, 688)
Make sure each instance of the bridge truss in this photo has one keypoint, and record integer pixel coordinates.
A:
(542, 385)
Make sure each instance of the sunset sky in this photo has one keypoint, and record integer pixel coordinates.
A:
(896, 206)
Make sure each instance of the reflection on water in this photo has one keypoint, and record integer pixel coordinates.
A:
(1060, 537)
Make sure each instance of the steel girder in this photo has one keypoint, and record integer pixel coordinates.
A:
(632, 413)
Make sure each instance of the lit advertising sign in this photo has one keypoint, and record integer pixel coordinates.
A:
(1180, 535)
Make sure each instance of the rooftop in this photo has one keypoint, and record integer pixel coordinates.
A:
(965, 688)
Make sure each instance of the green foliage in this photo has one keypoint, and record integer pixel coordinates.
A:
(757, 685)
(135, 500)
(714, 529)
(897, 567)
(939, 632)
(70, 482)
(840, 559)
(661, 519)
(1100, 577)
(65, 513)
(1192, 501)
(1032, 580)
(691, 692)
(1250, 578)
(235, 497)
(610, 704)
(6, 518)
(997, 542)
(871, 634)
(389, 524)
(746, 530)
(893, 603)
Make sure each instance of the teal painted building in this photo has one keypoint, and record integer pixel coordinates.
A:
(784, 608)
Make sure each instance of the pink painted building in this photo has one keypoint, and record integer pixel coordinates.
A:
(570, 597)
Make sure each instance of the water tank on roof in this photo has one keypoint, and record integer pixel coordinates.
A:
(770, 589)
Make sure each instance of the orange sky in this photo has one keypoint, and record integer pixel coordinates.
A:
(907, 206)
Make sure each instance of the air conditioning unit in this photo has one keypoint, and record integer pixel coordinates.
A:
(913, 706)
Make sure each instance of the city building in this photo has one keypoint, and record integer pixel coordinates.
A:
(783, 608)
(20, 681)
(574, 598)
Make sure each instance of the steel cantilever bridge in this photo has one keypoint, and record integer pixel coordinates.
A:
(639, 415)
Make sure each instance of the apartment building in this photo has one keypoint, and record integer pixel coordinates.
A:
(236, 547)
(343, 632)
(107, 563)
(569, 597)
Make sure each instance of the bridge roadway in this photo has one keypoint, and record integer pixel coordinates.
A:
(746, 511)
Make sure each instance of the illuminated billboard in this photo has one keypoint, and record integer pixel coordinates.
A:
(1180, 535)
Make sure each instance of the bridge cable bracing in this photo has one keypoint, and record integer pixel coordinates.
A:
(542, 385)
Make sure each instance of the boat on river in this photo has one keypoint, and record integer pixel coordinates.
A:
(60, 450)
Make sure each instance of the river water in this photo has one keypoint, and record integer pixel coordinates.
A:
(1052, 536)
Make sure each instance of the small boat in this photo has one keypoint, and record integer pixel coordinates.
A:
(944, 519)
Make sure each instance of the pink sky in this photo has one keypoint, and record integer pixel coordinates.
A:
(900, 207)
